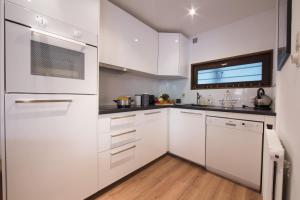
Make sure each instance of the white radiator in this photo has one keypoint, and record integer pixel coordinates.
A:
(273, 167)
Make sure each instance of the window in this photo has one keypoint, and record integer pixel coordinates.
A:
(252, 70)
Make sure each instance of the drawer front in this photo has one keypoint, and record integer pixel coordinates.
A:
(103, 125)
(122, 121)
(116, 139)
(117, 163)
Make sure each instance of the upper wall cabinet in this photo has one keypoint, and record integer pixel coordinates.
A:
(173, 55)
(81, 14)
(125, 41)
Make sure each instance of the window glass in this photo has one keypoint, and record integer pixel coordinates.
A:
(53, 61)
(250, 70)
(231, 74)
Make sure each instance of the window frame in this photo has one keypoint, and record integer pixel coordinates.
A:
(266, 57)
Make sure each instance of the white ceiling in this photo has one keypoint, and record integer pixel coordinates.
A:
(171, 15)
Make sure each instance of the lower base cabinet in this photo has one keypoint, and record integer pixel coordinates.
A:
(118, 158)
(154, 134)
(51, 146)
(117, 163)
(187, 134)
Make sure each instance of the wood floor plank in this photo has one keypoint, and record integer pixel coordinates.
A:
(174, 179)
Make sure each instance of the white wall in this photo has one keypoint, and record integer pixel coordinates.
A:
(2, 135)
(288, 110)
(252, 34)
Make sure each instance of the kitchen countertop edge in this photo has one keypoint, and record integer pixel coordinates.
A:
(110, 110)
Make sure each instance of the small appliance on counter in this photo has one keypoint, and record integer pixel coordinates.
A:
(123, 101)
(145, 100)
(138, 100)
(262, 101)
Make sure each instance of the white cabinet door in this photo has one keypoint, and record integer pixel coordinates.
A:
(173, 54)
(154, 134)
(168, 58)
(51, 146)
(116, 163)
(187, 134)
(126, 41)
(83, 14)
(184, 56)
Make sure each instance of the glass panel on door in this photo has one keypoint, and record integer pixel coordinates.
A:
(54, 61)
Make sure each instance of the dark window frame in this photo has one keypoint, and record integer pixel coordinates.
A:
(266, 57)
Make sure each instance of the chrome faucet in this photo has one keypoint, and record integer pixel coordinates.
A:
(198, 98)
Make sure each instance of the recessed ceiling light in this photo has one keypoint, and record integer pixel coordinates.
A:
(192, 11)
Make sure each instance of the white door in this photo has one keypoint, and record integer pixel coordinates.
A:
(126, 41)
(43, 64)
(187, 134)
(168, 58)
(154, 134)
(51, 146)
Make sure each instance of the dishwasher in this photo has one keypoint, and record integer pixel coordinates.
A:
(234, 150)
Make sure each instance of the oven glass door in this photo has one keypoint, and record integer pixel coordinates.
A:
(41, 62)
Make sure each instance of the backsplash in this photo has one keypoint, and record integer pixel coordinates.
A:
(115, 83)
(181, 89)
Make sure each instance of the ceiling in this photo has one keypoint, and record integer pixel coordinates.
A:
(172, 15)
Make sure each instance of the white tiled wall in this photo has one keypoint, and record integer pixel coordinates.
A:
(115, 83)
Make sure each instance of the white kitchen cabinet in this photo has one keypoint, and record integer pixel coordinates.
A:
(173, 55)
(118, 146)
(128, 141)
(51, 146)
(116, 163)
(154, 134)
(81, 14)
(187, 134)
(125, 41)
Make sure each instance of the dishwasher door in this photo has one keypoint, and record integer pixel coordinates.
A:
(234, 150)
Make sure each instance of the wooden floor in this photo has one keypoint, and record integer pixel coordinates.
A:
(172, 178)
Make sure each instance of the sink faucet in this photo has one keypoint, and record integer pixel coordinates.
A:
(198, 98)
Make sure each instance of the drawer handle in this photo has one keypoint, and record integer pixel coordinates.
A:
(124, 117)
(184, 112)
(113, 154)
(230, 124)
(152, 113)
(45, 101)
(123, 133)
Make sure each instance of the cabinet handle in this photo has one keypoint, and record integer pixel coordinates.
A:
(45, 101)
(113, 154)
(230, 124)
(152, 113)
(124, 117)
(184, 112)
(124, 133)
